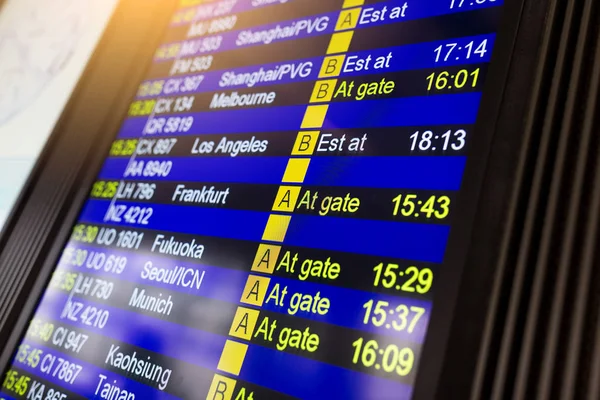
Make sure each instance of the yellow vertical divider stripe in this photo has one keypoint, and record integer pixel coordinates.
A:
(232, 357)
(296, 169)
(340, 42)
(314, 116)
(353, 3)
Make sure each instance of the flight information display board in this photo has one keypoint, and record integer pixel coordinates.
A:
(274, 211)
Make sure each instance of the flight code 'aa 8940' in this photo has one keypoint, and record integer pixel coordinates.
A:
(148, 169)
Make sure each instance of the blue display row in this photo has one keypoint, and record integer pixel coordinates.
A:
(413, 241)
(425, 172)
(308, 379)
(407, 111)
(5, 397)
(391, 59)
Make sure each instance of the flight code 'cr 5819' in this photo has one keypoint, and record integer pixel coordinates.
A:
(168, 125)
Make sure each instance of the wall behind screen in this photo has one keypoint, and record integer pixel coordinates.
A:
(44, 47)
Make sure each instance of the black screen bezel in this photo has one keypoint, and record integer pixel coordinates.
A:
(462, 238)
